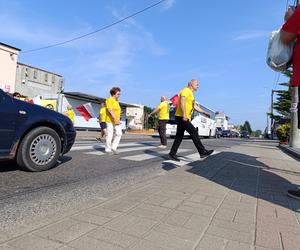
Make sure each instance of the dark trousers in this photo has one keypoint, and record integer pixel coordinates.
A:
(189, 127)
(162, 131)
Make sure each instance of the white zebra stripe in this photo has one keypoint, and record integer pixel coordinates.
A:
(101, 146)
(123, 150)
(150, 155)
(184, 160)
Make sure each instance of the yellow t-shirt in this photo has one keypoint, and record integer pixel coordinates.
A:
(112, 103)
(164, 111)
(189, 103)
(70, 113)
(102, 114)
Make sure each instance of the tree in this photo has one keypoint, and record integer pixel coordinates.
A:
(246, 127)
(257, 133)
(152, 120)
(282, 106)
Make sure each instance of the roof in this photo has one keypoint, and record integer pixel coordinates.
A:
(92, 98)
(27, 65)
(4, 44)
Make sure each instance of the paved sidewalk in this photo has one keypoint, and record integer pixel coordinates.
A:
(232, 200)
(295, 152)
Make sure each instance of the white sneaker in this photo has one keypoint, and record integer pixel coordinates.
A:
(115, 152)
(162, 146)
(109, 152)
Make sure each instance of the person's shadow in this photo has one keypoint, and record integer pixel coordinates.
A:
(247, 175)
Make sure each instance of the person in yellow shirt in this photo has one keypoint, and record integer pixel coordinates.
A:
(183, 115)
(113, 116)
(70, 113)
(102, 120)
(163, 110)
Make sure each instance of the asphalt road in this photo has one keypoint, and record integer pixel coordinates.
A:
(85, 174)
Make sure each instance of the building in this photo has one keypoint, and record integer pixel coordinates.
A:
(47, 89)
(222, 121)
(32, 81)
(76, 99)
(135, 117)
(8, 62)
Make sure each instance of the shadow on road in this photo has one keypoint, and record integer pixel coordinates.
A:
(11, 165)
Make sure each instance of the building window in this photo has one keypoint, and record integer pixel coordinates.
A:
(46, 77)
(26, 72)
(35, 74)
(53, 78)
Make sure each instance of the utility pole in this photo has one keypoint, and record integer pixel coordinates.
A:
(295, 131)
(272, 120)
(271, 114)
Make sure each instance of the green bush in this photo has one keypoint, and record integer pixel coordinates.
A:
(283, 132)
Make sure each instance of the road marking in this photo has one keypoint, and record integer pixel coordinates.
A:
(123, 150)
(150, 155)
(101, 146)
(184, 160)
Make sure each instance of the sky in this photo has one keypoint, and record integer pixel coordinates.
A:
(223, 44)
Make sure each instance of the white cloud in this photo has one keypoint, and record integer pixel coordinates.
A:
(169, 4)
(254, 34)
(94, 63)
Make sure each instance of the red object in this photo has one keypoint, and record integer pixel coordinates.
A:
(174, 100)
(293, 26)
(84, 112)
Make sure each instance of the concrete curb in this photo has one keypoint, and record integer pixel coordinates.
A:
(291, 151)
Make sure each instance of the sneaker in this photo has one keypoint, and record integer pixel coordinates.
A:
(173, 157)
(206, 153)
(99, 139)
(162, 146)
(115, 152)
(294, 194)
(109, 152)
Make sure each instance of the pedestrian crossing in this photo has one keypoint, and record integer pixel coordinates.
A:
(150, 155)
(149, 151)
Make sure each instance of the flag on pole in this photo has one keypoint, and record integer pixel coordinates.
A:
(174, 100)
(86, 110)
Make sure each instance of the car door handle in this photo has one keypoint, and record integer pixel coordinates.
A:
(22, 112)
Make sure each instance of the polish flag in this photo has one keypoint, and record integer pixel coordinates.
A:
(174, 100)
(86, 110)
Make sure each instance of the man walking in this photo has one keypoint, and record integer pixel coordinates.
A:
(163, 110)
(70, 113)
(113, 115)
(183, 115)
(102, 121)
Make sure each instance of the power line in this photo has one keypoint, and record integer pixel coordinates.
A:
(95, 31)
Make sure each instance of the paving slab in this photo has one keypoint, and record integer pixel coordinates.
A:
(234, 200)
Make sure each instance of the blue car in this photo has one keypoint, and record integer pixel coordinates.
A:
(32, 135)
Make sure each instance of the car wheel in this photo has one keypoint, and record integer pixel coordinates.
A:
(39, 150)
